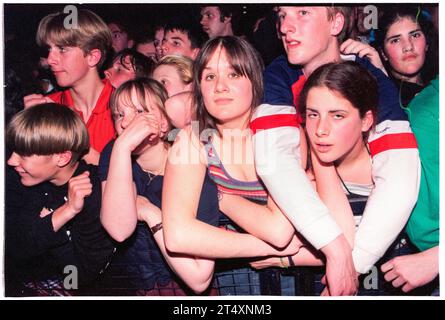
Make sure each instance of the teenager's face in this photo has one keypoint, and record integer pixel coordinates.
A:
(306, 33)
(211, 21)
(334, 125)
(177, 43)
(68, 64)
(120, 38)
(170, 79)
(227, 95)
(159, 35)
(147, 49)
(120, 73)
(405, 47)
(34, 169)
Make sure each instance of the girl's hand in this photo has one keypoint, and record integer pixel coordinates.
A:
(147, 211)
(143, 128)
(361, 49)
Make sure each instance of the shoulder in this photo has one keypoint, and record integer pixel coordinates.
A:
(280, 66)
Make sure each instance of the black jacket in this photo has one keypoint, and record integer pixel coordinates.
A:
(34, 251)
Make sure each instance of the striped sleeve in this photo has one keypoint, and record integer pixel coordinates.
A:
(278, 163)
(396, 176)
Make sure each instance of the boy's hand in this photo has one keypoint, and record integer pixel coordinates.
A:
(35, 99)
(143, 128)
(361, 49)
(79, 187)
(413, 270)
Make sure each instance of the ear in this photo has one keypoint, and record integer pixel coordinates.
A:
(164, 126)
(337, 25)
(367, 121)
(94, 57)
(63, 158)
(227, 19)
(130, 43)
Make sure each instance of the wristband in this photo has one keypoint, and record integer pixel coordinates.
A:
(156, 228)
(291, 261)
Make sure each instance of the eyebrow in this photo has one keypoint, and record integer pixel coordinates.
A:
(330, 111)
(399, 35)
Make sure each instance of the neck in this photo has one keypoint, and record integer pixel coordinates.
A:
(153, 159)
(228, 31)
(331, 54)
(64, 174)
(86, 93)
(240, 123)
(354, 157)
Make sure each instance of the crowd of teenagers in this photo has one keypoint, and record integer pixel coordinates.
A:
(300, 158)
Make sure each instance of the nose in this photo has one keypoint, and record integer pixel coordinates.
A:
(322, 128)
(126, 120)
(286, 26)
(221, 85)
(14, 160)
(407, 45)
(202, 21)
(52, 58)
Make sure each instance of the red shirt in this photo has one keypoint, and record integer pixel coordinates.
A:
(100, 124)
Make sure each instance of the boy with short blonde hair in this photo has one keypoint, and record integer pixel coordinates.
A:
(76, 52)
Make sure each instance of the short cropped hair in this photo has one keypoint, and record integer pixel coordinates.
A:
(190, 27)
(182, 64)
(47, 129)
(90, 33)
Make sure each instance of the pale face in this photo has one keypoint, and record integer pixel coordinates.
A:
(405, 48)
(119, 37)
(211, 22)
(34, 169)
(227, 95)
(306, 33)
(120, 73)
(147, 49)
(178, 43)
(170, 79)
(159, 35)
(68, 64)
(334, 125)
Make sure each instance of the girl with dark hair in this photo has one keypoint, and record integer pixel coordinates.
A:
(407, 42)
(339, 106)
(228, 87)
